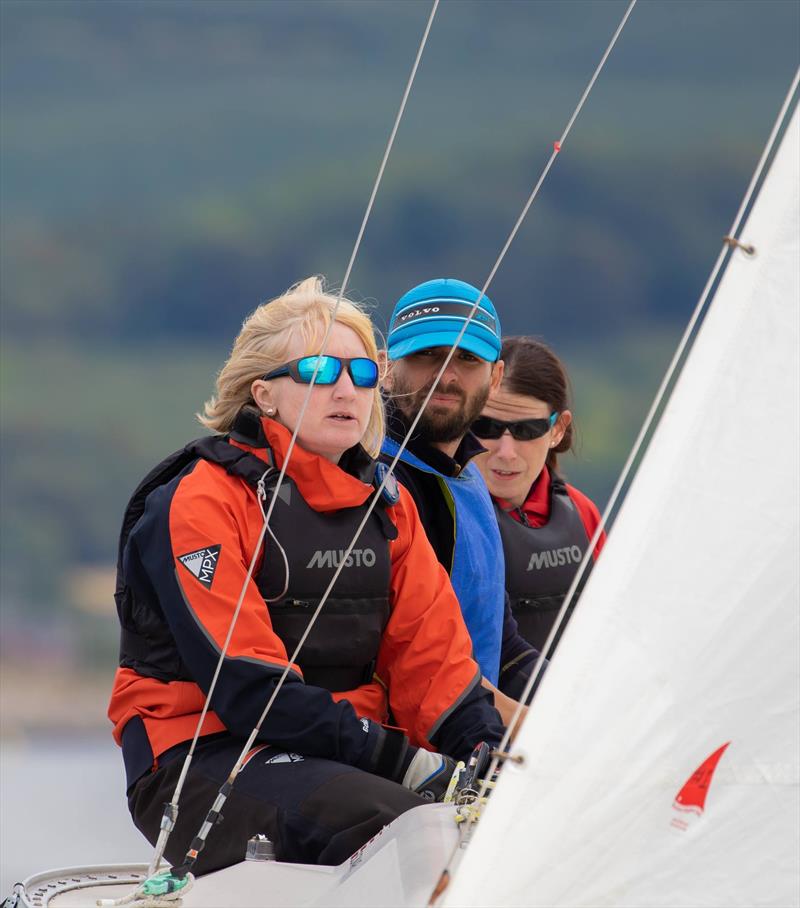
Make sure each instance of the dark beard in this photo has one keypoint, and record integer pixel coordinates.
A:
(435, 425)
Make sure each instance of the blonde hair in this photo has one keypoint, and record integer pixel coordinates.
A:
(305, 309)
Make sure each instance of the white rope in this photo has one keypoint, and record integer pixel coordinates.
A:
(143, 900)
(169, 825)
(727, 247)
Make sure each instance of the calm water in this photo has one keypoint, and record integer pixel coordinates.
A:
(63, 803)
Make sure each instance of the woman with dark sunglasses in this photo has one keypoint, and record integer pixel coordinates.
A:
(545, 523)
(327, 771)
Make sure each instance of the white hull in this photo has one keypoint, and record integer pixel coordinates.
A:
(399, 868)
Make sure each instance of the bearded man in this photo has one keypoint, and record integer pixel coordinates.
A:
(451, 496)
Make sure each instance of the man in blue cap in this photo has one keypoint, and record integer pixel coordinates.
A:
(450, 494)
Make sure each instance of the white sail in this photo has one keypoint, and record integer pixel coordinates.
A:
(686, 638)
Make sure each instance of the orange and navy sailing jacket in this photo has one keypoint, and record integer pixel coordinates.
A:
(188, 556)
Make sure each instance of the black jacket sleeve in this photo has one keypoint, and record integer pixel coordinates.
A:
(517, 658)
(473, 719)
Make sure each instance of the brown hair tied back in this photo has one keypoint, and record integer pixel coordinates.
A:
(533, 369)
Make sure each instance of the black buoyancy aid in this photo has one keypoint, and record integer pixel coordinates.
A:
(541, 563)
(341, 649)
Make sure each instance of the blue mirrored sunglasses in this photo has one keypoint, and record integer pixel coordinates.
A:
(363, 371)
(521, 430)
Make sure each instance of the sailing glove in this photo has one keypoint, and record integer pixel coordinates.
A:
(393, 757)
(429, 774)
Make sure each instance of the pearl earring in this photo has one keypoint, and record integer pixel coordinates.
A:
(270, 411)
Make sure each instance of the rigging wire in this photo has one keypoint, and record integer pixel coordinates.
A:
(557, 146)
(171, 809)
(214, 812)
(378, 492)
(729, 244)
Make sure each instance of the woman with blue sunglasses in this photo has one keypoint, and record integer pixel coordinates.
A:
(545, 523)
(384, 695)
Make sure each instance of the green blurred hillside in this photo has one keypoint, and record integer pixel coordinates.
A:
(168, 165)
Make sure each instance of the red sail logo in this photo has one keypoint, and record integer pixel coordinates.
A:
(690, 802)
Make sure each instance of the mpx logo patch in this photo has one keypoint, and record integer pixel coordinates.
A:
(202, 563)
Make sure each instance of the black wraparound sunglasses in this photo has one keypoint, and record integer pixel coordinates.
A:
(521, 430)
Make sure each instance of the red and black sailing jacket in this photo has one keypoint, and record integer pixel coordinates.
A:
(390, 637)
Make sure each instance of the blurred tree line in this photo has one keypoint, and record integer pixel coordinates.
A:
(166, 166)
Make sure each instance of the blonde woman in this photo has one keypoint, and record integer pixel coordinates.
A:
(326, 773)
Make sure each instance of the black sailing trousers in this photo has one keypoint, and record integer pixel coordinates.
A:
(315, 811)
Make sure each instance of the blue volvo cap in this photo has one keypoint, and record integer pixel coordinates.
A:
(433, 313)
